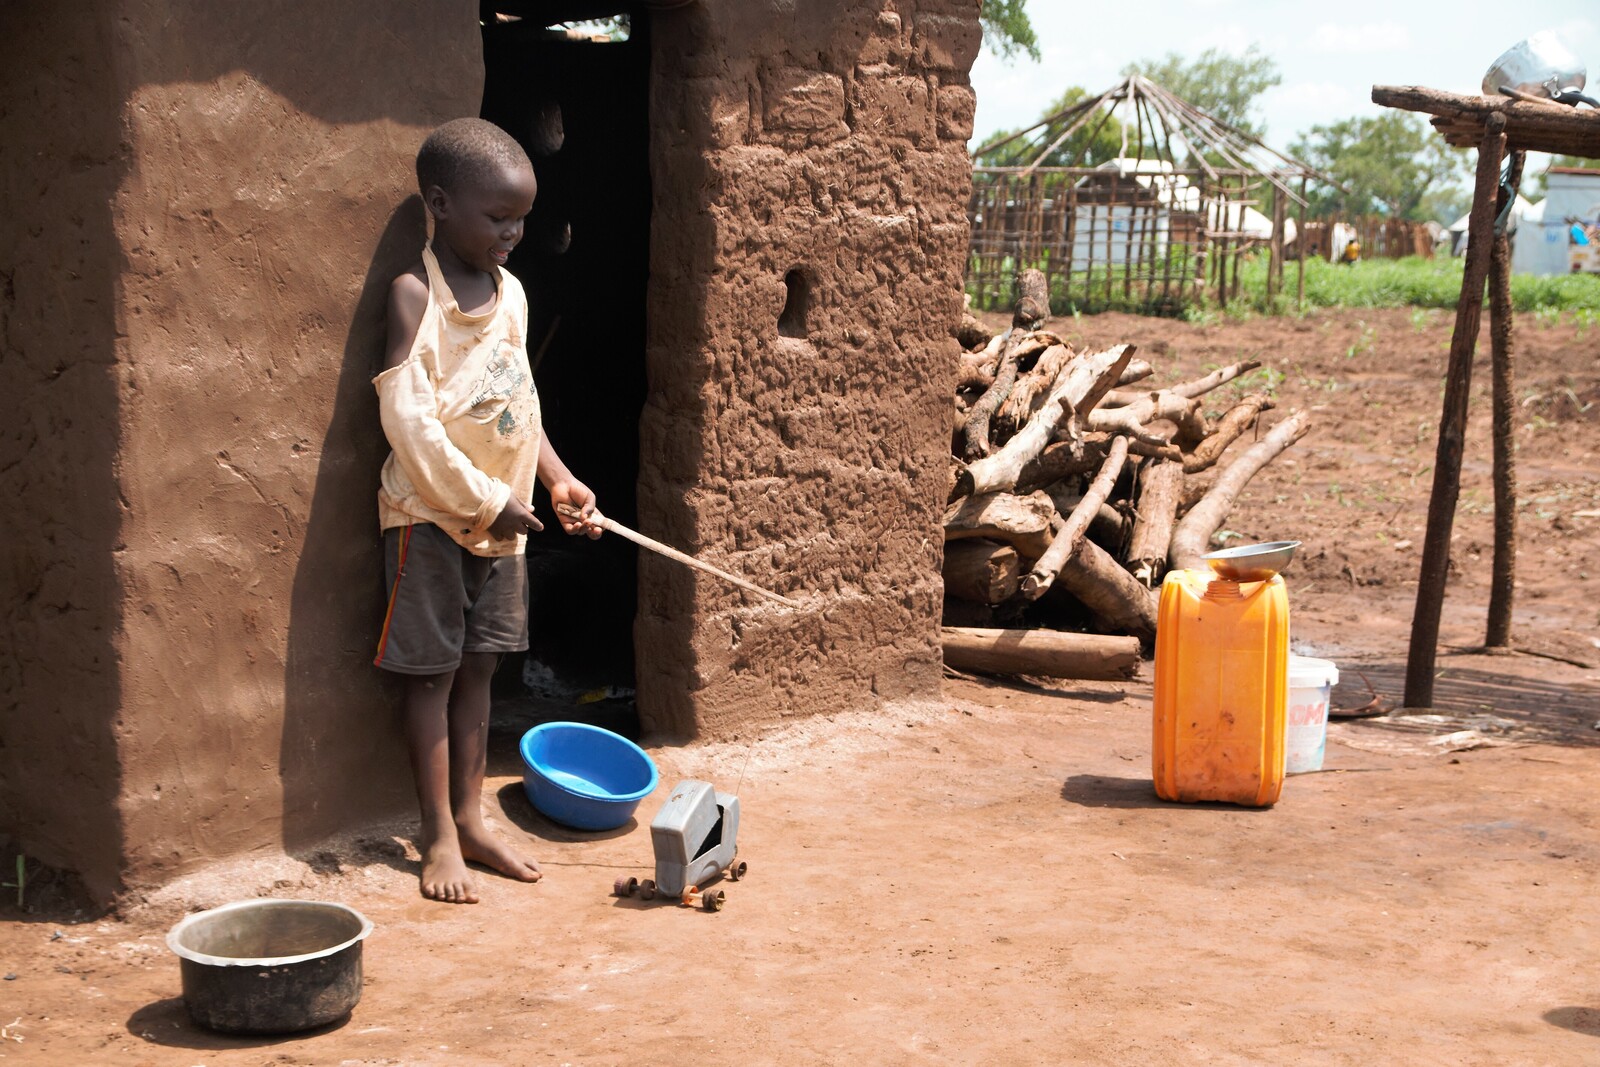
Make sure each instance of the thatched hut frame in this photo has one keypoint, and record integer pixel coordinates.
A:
(1164, 225)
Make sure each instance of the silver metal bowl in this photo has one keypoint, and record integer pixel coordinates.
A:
(1251, 563)
(270, 966)
(1541, 65)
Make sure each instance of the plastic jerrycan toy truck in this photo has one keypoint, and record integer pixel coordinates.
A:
(1222, 650)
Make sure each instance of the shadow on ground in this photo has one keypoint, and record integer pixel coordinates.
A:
(166, 1022)
(1106, 791)
(1535, 710)
(1579, 1020)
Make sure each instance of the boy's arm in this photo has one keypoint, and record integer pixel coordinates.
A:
(566, 489)
(437, 469)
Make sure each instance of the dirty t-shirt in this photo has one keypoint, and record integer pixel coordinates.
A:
(462, 417)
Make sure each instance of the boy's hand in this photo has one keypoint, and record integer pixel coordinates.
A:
(515, 518)
(574, 494)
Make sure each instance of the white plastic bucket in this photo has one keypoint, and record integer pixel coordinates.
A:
(1311, 683)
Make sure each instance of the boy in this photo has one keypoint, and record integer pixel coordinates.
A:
(459, 409)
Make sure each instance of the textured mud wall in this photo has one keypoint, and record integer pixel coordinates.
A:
(206, 570)
(808, 235)
(60, 162)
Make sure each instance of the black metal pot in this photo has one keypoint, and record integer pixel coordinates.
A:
(270, 966)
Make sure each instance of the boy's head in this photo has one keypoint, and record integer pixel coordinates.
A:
(478, 184)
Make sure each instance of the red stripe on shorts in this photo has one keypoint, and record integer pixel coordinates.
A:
(394, 595)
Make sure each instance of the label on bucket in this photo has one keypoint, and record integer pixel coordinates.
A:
(1306, 731)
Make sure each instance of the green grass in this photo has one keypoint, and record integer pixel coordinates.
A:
(1412, 282)
(1375, 283)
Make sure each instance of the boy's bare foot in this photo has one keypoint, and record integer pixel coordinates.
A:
(478, 845)
(445, 876)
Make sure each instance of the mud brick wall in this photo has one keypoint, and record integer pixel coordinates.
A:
(206, 206)
(808, 239)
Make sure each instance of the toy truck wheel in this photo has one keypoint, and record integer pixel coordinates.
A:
(647, 889)
(625, 887)
(737, 869)
(713, 901)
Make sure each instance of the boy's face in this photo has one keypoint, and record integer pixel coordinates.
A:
(481, 221)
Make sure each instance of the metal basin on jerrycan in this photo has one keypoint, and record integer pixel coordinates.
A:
(270, 966)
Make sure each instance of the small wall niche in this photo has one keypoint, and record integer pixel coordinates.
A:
(796, 305)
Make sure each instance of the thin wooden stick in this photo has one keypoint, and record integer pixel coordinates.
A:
(1503, 362)
(1453, 420)
(1038, 581)
(609, 524)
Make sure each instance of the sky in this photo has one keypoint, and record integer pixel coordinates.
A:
(1329, 54)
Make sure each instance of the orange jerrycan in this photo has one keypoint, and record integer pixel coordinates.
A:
(1222, 652)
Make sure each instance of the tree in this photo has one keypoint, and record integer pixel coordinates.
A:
(1007, 30)
(1389, 164)
(1223, 85)
(1085, 148)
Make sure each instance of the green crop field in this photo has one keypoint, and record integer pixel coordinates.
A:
(1374, 283)
(1411, 282)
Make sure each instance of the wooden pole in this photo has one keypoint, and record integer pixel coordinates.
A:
(1300, 246)
(1453, 421)
(1503, 371)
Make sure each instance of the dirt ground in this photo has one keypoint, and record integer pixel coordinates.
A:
(989, 878)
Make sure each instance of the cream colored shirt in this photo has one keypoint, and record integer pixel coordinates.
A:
(462, 417)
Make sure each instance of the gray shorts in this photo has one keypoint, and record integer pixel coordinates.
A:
(444, 601)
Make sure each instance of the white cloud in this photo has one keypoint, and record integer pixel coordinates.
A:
(1367, 37)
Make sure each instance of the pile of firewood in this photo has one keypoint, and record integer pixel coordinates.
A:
(1074, 489)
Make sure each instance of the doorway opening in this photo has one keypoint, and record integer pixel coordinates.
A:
(577, 100)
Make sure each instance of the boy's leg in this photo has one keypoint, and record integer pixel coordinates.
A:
(444, 871)
(469, 748)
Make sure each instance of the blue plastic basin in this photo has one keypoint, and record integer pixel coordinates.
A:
(583, 776)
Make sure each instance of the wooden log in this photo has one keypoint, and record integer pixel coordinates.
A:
(1063, 459)
(976, 431)
(1463, 120)
(1068, 459)
(1026, 523)
(1044, 571)
(1218, 377)
(1193, 532)
(970, 333)
(1228, 429)
(1137, 370)
(1048, 653)
(1077, 389)
(1160, 485)
(975, 370)
(1029, 391)
(1093, 576)
(1118, 398)
(980, 570)
(1162, 406)
(1110, 524)
(1423, 646)
(1033, 300)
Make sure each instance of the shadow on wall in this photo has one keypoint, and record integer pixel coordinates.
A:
(60, 590)
(338, 598)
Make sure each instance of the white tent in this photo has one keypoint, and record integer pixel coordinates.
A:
(1173, 192)
(1541, 233)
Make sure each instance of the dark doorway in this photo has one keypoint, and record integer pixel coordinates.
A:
(580, 107)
